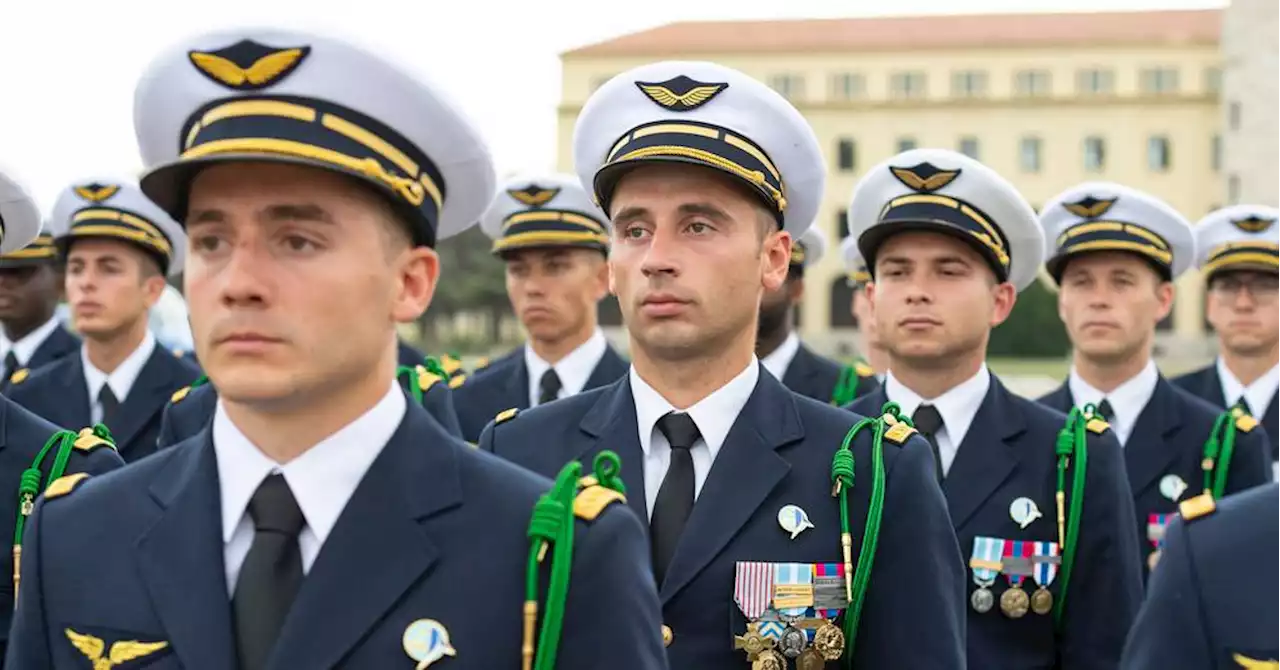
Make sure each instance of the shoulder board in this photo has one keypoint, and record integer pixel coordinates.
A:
(1096, 425)
(591, 501)
(506, 415)
(20, 375)
(455, 382)
(425, 379)
(88, 441)
(64, 485)
(1244, 422)
(1194, 508)
(450, 365)
(898, 431)
(481, 363)
(180, 394)
(863, 370)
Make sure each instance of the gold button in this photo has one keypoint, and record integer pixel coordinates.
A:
(667, 636)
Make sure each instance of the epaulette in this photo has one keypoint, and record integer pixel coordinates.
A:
(1096, 425)
(898, 431)
(1244, 422)
(64, 485)
(180, 394)
(425, 379)
(506, 415)
(450, 364)
(481, 363)
(87, 440)
(20, 375)
(864, 370)
(1194, 508)
(455, 382)
(592, 498)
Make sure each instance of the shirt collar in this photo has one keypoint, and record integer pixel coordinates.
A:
(778, 360)
(1127, 400)
(574, 369)
(322, 479)
(958, 405)
(714, 414)
(26, 347)
(1258, 394)
(123, 377)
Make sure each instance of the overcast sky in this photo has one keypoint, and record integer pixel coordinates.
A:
(68, 69)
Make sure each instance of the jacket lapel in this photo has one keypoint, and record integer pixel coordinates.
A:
(611, 424)
(610, 367)
(149, 395)
(517, 387)
(72, 411)
(799, 372)
(180, 558)
(1151, 446)
(1211, 386)
(746, 470)
(380, 540)
(59, 343)
(1060, 399)
(986, 457)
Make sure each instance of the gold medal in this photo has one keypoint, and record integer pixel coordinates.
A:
(810, 659)
(1042, 601)
(753, 642)
(769, 660)
(1153, 559)
(828, 641)
(1014, 602)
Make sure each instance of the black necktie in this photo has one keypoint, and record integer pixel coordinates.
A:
(1243, 404)
(675, 498)
(271, 575)
(928, 421)
(107, 398)
(10, 364)
(1105, 410)
(549, 386)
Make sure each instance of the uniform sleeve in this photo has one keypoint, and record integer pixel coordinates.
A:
(96, 462)
(1251, 461)
(914, 612)
(28, 634)
(1170, 631)
(166, 438)
(1105, 588)
(438, 402)
(613, 613)
(487, 441)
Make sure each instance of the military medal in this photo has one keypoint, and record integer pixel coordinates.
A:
(1015, 602)
(986, 566)
(828, 641)
(752, 591)
(769, 660)
(810, 660)
(793, 642)
(1045, 562)
(1156, 526)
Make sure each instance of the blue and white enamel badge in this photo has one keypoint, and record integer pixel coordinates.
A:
(427, 641)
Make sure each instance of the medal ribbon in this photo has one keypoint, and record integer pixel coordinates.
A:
(792, 588)
(986, 560)
(1016, 549)
(1046, 570)
(828, 589)
(1156, 525)
(753, 588)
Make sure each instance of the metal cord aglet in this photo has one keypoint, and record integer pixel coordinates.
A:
(530, 622)
(846, 544)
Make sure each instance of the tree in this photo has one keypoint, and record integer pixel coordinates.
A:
(1033, 330)
(471, 280)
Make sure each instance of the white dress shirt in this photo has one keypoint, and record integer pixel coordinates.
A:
(1258, 394)
(120, 380)
(25, 348)
(780, 359)
(714, 415)
(574, 369)
(1127, 400)
(957, 406)
(322, 479)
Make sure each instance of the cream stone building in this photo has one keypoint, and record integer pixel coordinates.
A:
(1251, 137)
(1048, 100)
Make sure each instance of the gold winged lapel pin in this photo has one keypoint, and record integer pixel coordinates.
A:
(123, 651)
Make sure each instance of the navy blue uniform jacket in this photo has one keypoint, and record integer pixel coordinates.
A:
(1206, 384)
(814, 376)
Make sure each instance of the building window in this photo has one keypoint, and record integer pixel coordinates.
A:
(907, 85)
(1158, 80)
(1158, 153)
(1095, 154)
(1213, 80)
(1031, 83)
(1095, 81)
(1233, 189)
(968, 146)
(842, 224)
(846, 155)
(842, 303)
(1029, 154)
(968, 84)
(789, 86)
(848, 86)
(1215, 152)
(1233, 116)
(906, 144)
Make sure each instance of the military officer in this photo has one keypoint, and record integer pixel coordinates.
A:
(1196, 614)
(552, 239)
(23, 435)
(707, 176)
(117, 247)
(779, 347)
(323, 522)
(1114, 253)
(30, 288)
(870, 347)
(950, 243)
(1236, 251)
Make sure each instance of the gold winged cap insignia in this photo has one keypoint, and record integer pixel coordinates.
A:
(1253, 224)
(924, 178)
(121, 652)
(533, 196)
(262, 72)
(695, 93)
(96, 192)
(1090, 207)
